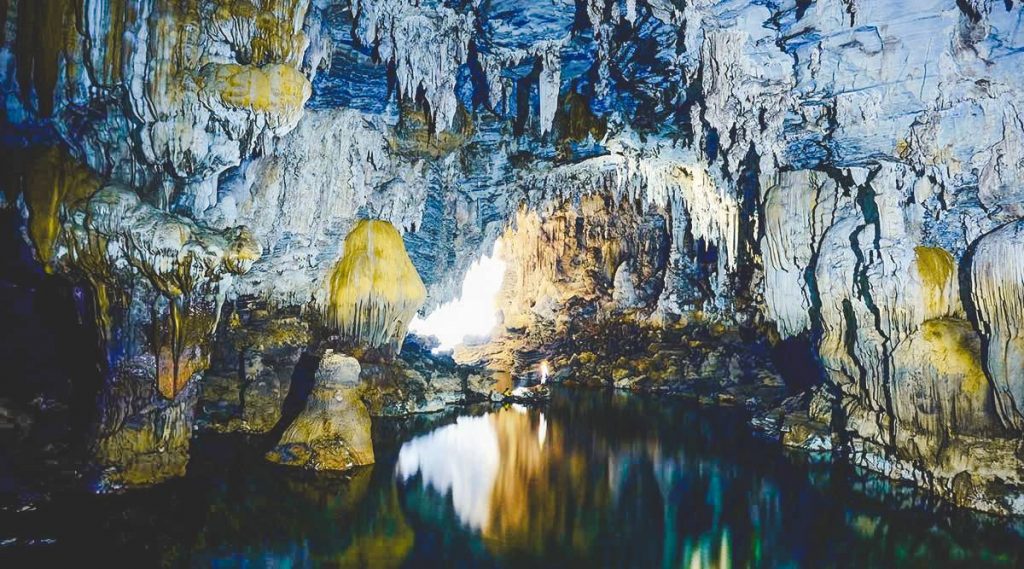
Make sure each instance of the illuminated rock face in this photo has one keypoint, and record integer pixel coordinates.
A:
(333, 431)
(997, 287)
(113, 238)
(142, 438)
(185, 89)
(374, 289)
(175, 93)
(861, 271)
(158, 282)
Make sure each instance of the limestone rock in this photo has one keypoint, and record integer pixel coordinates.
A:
(997, 275)
(249, 397)
(528, 395)
(374, 289)
(185, 89)
(143, 438)
(333, 431)
(417, 382)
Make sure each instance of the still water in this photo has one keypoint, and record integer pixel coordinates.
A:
(594, 479)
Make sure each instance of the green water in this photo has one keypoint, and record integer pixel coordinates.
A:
(594, 479)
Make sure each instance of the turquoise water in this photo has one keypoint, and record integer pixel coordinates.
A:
(594, 479)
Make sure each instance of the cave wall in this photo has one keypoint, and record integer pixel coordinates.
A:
(847, 171)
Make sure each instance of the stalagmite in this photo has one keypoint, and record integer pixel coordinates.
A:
(333, 431)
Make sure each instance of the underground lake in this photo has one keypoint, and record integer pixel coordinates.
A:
(592, 479)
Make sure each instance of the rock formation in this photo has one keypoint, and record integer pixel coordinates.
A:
(333, 431)
(251, 371)
(374, 289)
(715, 179)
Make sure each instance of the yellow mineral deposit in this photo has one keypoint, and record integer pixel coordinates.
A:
(275, 88)
(271, 30)
(937, 271)
(45, 30)
(52, 181)
(955, 350)
(180, 346)
(374, 289)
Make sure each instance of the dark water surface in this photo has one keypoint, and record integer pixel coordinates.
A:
(594, 479)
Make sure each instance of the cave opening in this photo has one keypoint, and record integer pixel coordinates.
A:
(473, 314)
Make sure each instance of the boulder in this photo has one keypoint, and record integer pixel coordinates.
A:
(333, 431)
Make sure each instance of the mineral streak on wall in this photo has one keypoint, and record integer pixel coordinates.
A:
(374, 289)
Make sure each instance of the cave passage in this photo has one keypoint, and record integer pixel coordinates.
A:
(507, 283)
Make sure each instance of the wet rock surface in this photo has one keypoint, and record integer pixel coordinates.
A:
(142, 438)
(251, 372)
(419, 381)
(333, 430)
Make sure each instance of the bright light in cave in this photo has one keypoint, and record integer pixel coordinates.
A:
(474, 313)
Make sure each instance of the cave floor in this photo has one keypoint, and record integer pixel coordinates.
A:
(591, 477)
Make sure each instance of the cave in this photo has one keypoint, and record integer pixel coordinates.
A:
(503, 283)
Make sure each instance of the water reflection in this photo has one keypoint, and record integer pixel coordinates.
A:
(531, 489)
(460, 459)
(593, 479)
(618, 481)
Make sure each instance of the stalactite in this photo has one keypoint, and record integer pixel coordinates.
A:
(940, 287)
(51, 182)
(787, 248)
(374, 289)
(425, 44)
(112, 234)
(550, 81)
(45, 34)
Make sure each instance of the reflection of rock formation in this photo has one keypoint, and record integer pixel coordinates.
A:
(384, 540)
(552, 485)
(508, 478)
(282, 520)
(525, 504)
